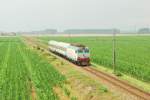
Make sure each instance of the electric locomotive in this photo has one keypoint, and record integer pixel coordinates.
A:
(76, 53)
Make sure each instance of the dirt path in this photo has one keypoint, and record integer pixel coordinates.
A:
(33, 92)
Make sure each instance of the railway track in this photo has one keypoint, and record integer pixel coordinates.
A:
(117, 82)
(105, 76)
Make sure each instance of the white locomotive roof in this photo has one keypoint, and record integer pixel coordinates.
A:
(61, 44)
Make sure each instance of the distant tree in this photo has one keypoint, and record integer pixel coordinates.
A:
(144, 30)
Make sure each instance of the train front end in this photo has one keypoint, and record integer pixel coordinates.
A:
(83, 56)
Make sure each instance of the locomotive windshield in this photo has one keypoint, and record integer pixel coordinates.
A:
(83, 50)
(86, 50)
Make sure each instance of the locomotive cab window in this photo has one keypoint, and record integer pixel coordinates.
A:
(86, 50)
(80, 51)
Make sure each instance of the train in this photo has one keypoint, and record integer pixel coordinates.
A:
(76, 53)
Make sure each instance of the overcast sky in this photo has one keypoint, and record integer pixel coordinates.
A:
(26, 15)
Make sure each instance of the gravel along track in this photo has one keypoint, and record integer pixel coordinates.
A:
(109, 78)
(115, 81)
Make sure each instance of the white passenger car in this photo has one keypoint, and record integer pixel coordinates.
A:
(77, 53)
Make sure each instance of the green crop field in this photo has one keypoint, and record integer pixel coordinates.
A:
(133, 53)
(23, 71)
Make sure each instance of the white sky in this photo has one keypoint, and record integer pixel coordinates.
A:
(26, 15)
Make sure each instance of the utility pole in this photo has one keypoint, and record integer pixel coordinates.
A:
(114, 50)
